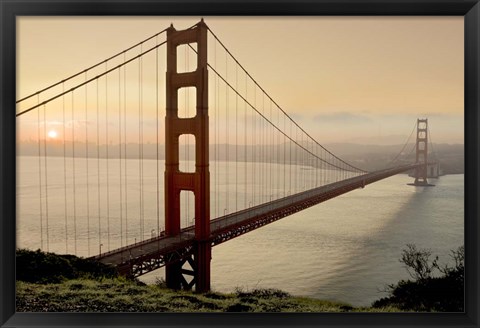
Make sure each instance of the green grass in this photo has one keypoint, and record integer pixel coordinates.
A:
(48, 282)
(122, 295)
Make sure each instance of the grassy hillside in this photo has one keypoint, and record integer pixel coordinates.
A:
(121, 295)
(47, 282)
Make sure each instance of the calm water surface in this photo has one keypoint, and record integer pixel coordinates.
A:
(345, 249)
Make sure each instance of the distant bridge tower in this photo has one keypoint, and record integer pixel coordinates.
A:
(421, 172)
(199, 181)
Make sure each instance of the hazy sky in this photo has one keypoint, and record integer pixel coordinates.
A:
(342, 78)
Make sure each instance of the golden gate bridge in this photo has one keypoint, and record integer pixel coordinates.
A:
(265, 166)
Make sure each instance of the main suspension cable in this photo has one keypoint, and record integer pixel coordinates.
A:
(403, 148)
(90, 80)
(265, 118)
(90, 68)
(278, 106)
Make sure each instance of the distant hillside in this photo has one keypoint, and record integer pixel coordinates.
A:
(383, 140)
(368, 157)
(373, 157)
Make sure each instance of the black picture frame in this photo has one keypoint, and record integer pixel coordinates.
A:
(9, 9)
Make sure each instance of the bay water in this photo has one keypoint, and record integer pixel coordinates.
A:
(345, 249)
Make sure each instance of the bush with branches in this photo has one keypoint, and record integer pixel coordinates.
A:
(434, 287)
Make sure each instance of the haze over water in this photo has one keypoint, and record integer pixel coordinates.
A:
(345, 249)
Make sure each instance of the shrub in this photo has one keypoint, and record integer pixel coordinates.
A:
(262, 293)
(418, 263)
(41, 267)
(444, 293)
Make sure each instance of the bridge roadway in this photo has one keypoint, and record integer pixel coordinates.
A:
(148, 255)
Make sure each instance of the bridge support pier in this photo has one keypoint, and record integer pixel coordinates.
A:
(175, 180)
(178, 277)
(203, 257)
(173, 275)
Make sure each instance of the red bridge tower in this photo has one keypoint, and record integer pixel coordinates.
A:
(199, 181)
(421, 171)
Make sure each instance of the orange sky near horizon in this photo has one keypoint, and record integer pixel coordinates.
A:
(344, 79)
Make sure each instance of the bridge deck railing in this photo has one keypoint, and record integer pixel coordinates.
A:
(162, 243)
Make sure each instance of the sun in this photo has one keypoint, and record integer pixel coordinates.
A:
(52, 134)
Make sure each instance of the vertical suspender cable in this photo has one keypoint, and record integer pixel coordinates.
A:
(340, 170)
(227, 163)
(268, 162)
(73, 174)
(307, 164)
(107, 157)
(273, 156)
(125, 145)
(219, 112)
(284, 157)
(265, 151)
(262, 149)
(325, 168)
(322, 171)
(246, 141)
(316, 169)
(302, 161)
(142, 222)
(313, 164)
(271, 136)
(254, 147)
(337, 171)
(98, 169)
(236, 139)
(140, 147)
(290, 160)
(317, 163)
(187, 166)
(216, 130)
(187, 108)
(156, 125)
(46, 173)
(141, 156)
(86, 161)
(40, 176)
(296, 162)
(64, 172)
(339, 166)
(304, 157)
(270, 152)
(120, 152)
(259, 144)
(278, 160)
(261, 175)
(338, 175)
(319, 167)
